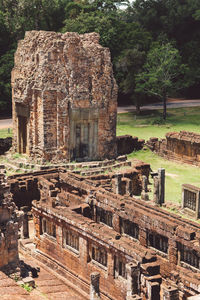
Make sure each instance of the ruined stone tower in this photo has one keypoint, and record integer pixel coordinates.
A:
(64, 97)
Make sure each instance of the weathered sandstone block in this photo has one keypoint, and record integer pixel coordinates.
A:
(64, 97)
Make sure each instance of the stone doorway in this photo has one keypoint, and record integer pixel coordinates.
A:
(84, 134)
(22, 134)
(82, 140)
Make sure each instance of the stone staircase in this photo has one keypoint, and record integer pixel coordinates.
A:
(21, 165)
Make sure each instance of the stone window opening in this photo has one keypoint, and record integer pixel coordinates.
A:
(190, 200)
(119, 267)
(44, 226)
(104, 216)
(129, 228)
(54, 231)
(158, 242)
(189, 256)
(71, 239)
(99, 255)
(48, 228)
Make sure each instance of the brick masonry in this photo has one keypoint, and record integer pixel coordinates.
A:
(64, 97)
(179, 146)
(10, 219)
(163, 248)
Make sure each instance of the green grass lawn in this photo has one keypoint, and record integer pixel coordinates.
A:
(144, 125)
(176, 174)
(5, 133)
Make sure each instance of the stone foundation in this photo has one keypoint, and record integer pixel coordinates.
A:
(126, 144)
(180, 146)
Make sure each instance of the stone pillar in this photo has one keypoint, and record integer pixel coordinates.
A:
(116, 223)
(129, 186)
(25, 228)
(156, 190)
(161, 176)
(94, 286)
(144, 194)
(143, 236)
(132, 279)
(198, 205)
(170, 293)
(159, 187)
(183, 197)
(173, 252)
(118, 179)
(153, 290)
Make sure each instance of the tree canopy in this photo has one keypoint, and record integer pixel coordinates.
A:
(130, 31)
(162, 73)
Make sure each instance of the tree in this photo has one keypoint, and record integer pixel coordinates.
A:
(179, 21)
(162, 73)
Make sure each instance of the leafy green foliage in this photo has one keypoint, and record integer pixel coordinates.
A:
(27, 287)
(128, 32)
(161, 73)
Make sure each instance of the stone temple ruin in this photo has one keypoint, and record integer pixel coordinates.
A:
(90, 228)
(64, 97)
(9, 224)
(180, 146)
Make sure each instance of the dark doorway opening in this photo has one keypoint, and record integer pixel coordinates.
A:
(22, 134)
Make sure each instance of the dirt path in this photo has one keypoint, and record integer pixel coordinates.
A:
(171, 103)
(6, 123)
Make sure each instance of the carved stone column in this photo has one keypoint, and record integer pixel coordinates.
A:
(170, 293)
(94, 286)
(132, 279)
(25, 228)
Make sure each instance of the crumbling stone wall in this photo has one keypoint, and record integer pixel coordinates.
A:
(64, 97)
(9, 225)
(5, 145)
(124, 228)
(180, 146)
(126, 144)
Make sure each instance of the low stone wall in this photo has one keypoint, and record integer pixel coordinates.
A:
(180, 146)
(5, 145)
(127, 144)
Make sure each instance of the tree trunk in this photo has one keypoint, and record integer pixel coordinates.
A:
(137, 108)
(164, 107)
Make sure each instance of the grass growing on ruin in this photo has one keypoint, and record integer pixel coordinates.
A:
(4, 133)
(176, 174)
(150, 123)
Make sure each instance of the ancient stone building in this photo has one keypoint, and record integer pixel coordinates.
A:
(138, 249)
(9, 225)
(180, 146)
(64, 97)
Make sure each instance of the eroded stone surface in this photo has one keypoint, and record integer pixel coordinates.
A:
(181, 146)
(9, 224)
(64, 97)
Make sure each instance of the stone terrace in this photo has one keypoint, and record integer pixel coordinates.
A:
(81, 209)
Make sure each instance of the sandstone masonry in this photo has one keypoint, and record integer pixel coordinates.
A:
(179, 146)
(64, 97)
(9, 224)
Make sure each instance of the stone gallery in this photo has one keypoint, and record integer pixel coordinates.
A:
(89, 227)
